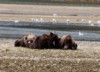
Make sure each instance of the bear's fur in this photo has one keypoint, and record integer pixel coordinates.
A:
(67, 42)
(26, 41)
(47, 41)
(19, 43)
(54, 39)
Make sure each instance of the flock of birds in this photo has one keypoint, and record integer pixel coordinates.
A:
(67, 21)
(54, 20)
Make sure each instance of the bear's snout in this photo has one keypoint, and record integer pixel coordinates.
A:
(65, 46)
(29, 41)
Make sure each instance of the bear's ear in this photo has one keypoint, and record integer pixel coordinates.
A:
(51, 33)
(34, 38)
(17, 43)
(69, 36)
(25, 37)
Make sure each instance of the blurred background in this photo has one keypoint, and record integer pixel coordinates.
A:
(79, 18)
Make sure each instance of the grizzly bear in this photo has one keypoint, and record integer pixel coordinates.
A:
(67, 42)
(54, 39)
(26, 41)
(47, 41)
(19, 43)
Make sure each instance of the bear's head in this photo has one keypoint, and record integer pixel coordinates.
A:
(67, 42)
(54, 39)
(26, 41)
(29, 40)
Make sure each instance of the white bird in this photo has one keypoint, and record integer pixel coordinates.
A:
(98, 22)
(90, 21)
(36, 20)
(54, 14)
(41, 20)
(16, 21)
(92, 24)
(67, 20)
(54, 20)
(83, 20)
(80, 33)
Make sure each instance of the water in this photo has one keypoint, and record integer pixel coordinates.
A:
(13, 30)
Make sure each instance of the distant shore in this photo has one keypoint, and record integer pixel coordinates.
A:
(47, 13)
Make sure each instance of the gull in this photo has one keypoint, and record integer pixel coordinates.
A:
(36, 20)
(80, 33)
(67, 20)
(16, 21)
(41, 20)
(98, 22)
(90, 21)
(83, 20)
(92, 24)
(54, 20)
(54, 14)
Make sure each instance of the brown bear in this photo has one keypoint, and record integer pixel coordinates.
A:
(26, 41)
(67, 42)
(47, 41)
(54, 39)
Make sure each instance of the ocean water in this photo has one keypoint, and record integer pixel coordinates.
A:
(9, 29)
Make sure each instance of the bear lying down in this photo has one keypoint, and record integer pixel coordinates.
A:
(67, 42)
(46, 41)
(26, 41)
